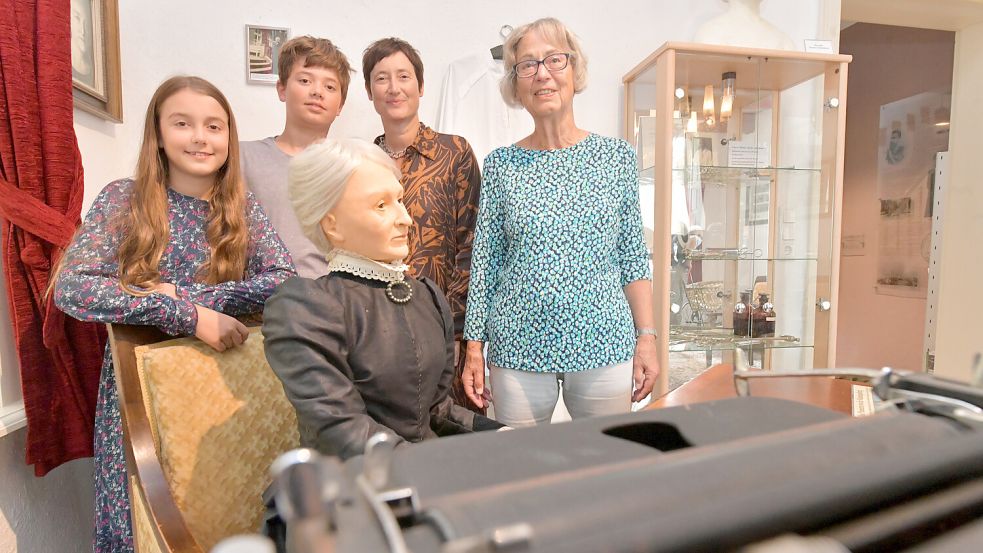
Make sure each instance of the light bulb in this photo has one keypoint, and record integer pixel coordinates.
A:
(691, 124)
(727, 95)
(684, 106)
(708, 108)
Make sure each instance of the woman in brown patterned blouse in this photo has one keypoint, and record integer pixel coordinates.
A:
(441, 179)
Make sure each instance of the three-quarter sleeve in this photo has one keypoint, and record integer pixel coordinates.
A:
(487, 254)
(633, 255)
(306, 345)
(88, 286)
(269, 264)
(467, 183)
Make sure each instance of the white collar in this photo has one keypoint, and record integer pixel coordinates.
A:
(359, 265)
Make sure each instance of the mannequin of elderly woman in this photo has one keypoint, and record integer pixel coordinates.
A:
(369, 219)
(362, 349)
(742, 25)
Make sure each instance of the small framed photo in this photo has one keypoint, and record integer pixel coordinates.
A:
(262, 51)
(96, 80)
(700, 152)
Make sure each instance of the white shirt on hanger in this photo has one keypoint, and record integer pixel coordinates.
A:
(472, 106)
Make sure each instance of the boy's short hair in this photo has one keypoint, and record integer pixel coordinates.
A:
(314, 52)
(385, 47)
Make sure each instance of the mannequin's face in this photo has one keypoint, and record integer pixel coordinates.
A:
(547, 92)
(370, 219)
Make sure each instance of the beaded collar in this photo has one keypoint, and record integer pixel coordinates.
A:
(398, 290)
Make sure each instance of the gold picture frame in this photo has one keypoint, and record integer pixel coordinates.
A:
(96, 82)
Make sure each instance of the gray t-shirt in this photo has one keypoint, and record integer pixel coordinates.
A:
(264, 166)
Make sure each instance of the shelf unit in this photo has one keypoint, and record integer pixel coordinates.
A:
(745, 201)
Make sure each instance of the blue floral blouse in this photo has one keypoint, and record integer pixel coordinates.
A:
(559, 235)
(88, 289)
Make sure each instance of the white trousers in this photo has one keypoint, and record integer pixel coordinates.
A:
(526, 398)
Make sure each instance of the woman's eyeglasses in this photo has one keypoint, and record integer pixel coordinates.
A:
(553, 62)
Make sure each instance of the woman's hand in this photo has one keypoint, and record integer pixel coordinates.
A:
(473, 377)
(219, 330)
(167, 289)
(646, 367)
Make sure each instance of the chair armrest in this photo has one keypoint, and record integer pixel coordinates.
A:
(171, 533)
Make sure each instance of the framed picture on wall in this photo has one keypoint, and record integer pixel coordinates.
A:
(96, 84)
(262, 50)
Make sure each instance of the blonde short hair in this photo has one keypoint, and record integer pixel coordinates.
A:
(316, 179)
(556, 33)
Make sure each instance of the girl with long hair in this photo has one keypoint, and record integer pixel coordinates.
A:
(181, 246)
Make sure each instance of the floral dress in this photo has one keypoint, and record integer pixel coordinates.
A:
(88, 289)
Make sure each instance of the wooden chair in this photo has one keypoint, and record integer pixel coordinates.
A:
(200, 429)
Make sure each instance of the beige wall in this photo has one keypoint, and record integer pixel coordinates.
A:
(889, 63)
(960, 326)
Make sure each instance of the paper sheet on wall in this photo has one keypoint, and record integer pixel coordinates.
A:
(912, 131)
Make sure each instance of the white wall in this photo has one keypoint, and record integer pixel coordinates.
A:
(615, 35)
(959, 334)
(53, 513)
(160, 39)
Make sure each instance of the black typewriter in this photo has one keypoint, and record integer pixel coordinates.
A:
(745, 474)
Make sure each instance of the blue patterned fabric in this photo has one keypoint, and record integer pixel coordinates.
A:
(559, 235)
(88, 289)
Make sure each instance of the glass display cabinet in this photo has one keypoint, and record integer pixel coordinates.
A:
(740, 155)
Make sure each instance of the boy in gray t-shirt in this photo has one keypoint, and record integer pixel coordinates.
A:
(314, 78)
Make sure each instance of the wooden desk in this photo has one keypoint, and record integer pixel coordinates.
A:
(717, 382)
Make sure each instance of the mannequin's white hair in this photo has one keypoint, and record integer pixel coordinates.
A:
(317, 177)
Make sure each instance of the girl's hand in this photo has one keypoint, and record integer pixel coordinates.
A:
(219, 330)
(167, 289)
(473, 376)
(646, 367)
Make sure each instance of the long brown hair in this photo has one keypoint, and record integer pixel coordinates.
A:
(145, 228)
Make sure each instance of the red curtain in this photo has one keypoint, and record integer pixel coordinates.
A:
(40, 202)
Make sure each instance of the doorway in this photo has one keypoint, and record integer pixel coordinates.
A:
(899, 100)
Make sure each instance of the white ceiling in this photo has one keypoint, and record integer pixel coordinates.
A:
(947, 15)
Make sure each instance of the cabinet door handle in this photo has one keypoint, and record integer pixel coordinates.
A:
(823, 304)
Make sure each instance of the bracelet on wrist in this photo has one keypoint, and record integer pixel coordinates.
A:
(639, 332)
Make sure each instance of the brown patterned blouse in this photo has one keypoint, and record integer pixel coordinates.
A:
(440, 181)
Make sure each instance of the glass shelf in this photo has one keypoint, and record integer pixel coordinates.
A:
(753, 172)
(730, 255)
(690, 338)
(726, 175)
(715, 174)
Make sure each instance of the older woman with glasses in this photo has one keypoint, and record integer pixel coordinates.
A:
(560, 277)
